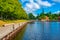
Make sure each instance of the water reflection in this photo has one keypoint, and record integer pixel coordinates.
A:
(55, 30)
(41, 31)
(32, 32)
(46, 31)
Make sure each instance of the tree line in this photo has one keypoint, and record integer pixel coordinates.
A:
(52, 16)
(12, 10)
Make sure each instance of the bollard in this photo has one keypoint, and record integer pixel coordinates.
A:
(3, 25)
(19, 24)
(13, 27)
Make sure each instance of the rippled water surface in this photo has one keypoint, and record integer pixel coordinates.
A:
(40, 31)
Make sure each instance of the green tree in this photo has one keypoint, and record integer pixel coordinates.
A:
(42, 15)
(12, 9)
(31, 16)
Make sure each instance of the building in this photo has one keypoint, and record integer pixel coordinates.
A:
(59, 18)
(46, 18)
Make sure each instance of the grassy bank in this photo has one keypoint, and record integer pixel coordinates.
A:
(11, 21)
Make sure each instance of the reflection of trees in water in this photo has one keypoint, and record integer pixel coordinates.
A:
(42, 25)
(21, 34)
(46, 31)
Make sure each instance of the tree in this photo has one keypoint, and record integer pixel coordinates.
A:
(31, 16)
(42, 15)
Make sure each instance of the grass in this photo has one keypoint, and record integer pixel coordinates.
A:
(2, 22)
(11, 21)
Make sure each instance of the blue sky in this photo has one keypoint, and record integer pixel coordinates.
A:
(36, 6)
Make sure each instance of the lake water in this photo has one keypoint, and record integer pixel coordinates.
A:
(40, 31)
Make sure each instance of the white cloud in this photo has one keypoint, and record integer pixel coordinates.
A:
(44, 3)
(57, 11)
(56, 1)
(31, 7)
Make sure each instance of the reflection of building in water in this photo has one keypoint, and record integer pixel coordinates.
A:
(47, 35)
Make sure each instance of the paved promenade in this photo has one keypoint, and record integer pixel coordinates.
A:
(7, 28)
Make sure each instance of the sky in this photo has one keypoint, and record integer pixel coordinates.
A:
(36, 6)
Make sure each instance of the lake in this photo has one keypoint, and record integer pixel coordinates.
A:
(40, 31)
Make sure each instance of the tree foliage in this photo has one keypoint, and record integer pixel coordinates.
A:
(31, 16)
(12, 9)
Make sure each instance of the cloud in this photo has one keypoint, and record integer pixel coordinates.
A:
(44, 3)
(57, 11)
(56, 1)
(33, 6)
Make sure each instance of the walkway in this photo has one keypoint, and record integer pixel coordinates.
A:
(9, 28)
